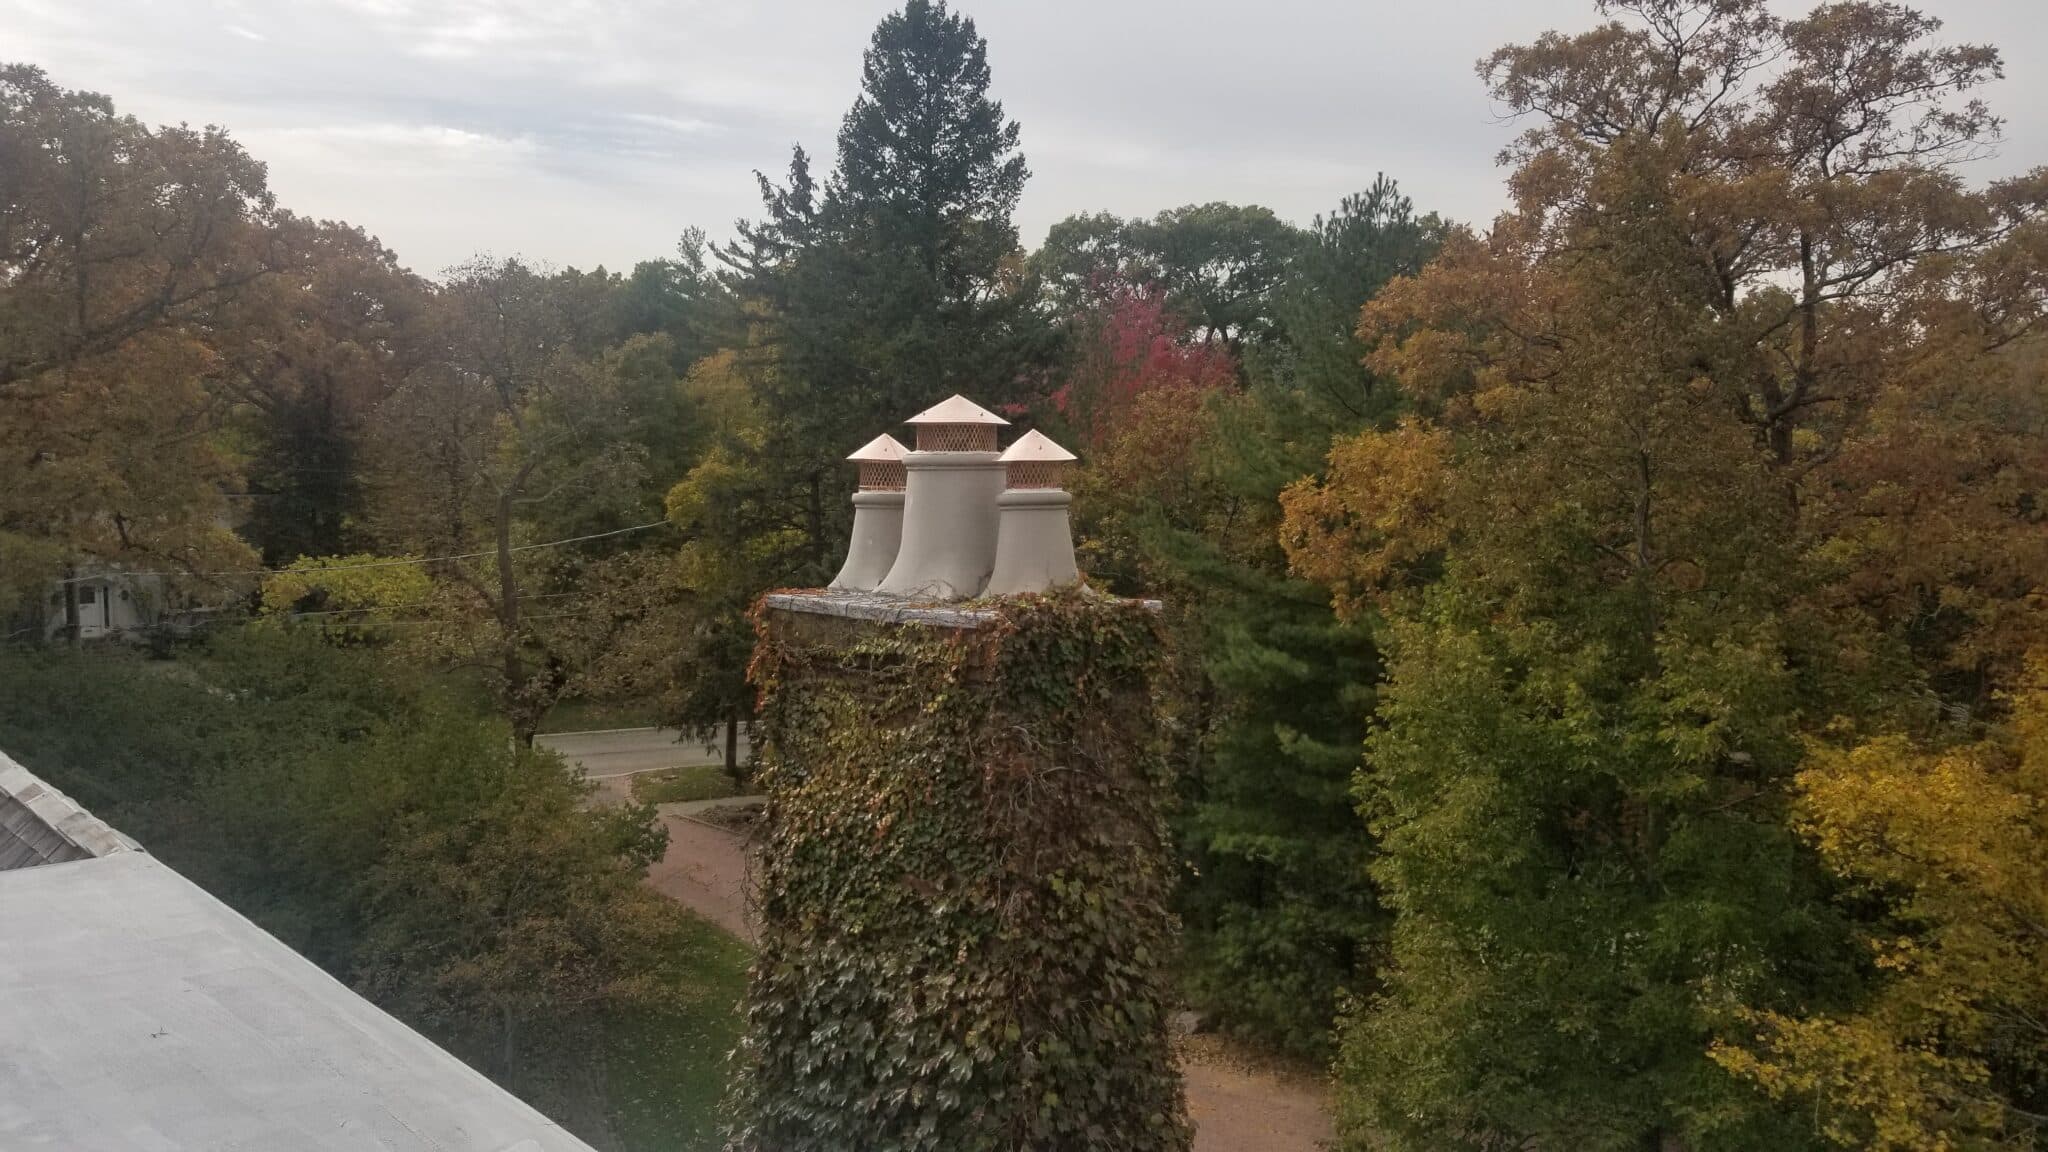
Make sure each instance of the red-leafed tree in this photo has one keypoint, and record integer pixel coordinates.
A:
(1133, 345)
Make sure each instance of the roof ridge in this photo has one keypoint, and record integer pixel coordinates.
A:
(956, 409)
(41, 825)
(1035, 446)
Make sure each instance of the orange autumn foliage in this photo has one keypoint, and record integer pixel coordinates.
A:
(1379, 514)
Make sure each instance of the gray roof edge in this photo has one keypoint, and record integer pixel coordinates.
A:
(60, 813)
(258, 950)
(339, 993)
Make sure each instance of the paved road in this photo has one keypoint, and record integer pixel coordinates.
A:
(625, 751)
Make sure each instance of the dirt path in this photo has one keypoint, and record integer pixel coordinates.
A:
(1235, 1108)
(705, 870)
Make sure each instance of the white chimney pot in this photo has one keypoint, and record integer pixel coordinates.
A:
(1034, 538)
(877, 516)
(949, 512)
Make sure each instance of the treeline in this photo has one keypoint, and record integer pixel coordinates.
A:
(1707, 767)
(1609, 645)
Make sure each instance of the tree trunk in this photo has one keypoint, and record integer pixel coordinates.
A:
(517, 710)
(508, 1054)
(71, 604)
(732, 746)
(814, 516)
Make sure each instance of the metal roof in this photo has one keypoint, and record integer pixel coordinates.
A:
(142, 1013)
(956, 409)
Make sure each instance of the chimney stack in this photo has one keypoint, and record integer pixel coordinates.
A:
(949, 513)
(877, 515)
(1034, 541)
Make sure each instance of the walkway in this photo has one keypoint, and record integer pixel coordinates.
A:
(705, 869)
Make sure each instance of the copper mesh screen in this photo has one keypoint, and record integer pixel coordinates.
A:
(1035, 474)
(956, 437)
(881, 476)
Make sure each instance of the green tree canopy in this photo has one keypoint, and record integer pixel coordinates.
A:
(1641, 548)
(862, 303)
(1220, 265)
(120, 246)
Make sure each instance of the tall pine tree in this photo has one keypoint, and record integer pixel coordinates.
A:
(1281, 918)
(863, 302)
(902, 281)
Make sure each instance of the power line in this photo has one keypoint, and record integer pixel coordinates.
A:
(126, 629)
(524, 598)
(112, 573)
(440, 621)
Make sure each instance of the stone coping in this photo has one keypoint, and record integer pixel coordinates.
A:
(885, 609)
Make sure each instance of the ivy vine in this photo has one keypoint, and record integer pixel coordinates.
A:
(964, 885)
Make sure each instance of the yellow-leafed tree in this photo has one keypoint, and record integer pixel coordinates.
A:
(1952, 1051)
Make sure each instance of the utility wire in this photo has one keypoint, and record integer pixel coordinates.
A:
(117, 572)
(524, 598)
(433, 623)
(445, 620)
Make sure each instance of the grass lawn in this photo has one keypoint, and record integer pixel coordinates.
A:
(667, 1070)
(650, 1080)
(697, 782)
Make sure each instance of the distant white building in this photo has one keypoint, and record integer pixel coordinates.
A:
(110, 604)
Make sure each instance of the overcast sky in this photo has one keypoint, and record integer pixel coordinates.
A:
(582, 132)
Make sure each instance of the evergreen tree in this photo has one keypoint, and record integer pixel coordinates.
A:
(1179, 499)
(928, 166)
(305, 482)
(863, 303)
(680, 298)
(1372, 237)
(1281, 917)
(1283, 922)
(902, 282)
(308, 357)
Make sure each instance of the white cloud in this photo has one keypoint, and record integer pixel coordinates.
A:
(586, 131)
(683, 126)
(388, 144)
